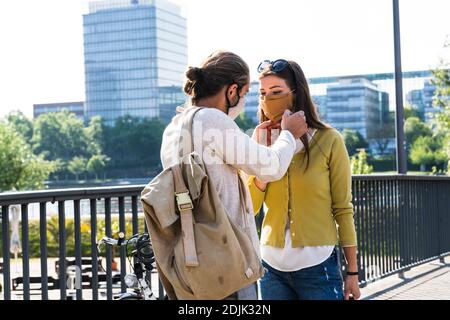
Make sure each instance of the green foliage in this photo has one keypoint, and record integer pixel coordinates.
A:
(129, 148)
(415, 128)
(20, 169)
(77, 166)
(441, 100)
(383, 136)
(359, 164)
(411, 112)
(428, 151)
(97, 164)
(94, 135)
(133, 143)
(354, 141)
(245, 123)
(21, 124)
(60, 135)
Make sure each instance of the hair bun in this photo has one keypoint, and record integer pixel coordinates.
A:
(194, 73)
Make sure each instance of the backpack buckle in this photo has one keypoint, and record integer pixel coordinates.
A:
(184, 201)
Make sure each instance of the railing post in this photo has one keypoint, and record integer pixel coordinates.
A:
(403, 224)
(123, 253)
(94, 255)
(43, 244)
(109, 256)
(78, 253)
(25, 253)
(62, 249)
(6, 255)
(135, 218)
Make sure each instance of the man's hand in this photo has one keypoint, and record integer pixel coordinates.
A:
(295, 123)
(262, 131)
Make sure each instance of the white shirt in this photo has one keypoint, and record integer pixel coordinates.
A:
(290, 259)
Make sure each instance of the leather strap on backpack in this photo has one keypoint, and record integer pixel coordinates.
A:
(185, 207)
(183, 198)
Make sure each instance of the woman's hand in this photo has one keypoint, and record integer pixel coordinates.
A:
(260, 185)
(351, 287)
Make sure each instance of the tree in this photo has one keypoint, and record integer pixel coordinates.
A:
(77, 166)
(428, 151)
(20, 169)
(245, 123)
(97, 164)
(441, 100)
(134, 143)
(94, 135)
(385, 134)
(415, 128)
(21, 124)
(359, 164)
(354, 141)
(60, 135)
(411, 111)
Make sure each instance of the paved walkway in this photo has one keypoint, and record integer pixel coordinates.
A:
(430, 281)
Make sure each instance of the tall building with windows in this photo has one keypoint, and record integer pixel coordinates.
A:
(321, 106)
(357, 104)
(135, 57)
(422, 100)
(72, 107)
(428, 93)
(252, 102)
(415, 99)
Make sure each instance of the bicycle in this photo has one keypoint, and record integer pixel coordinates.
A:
(142, 265)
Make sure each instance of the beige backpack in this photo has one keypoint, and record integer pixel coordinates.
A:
(200, 253)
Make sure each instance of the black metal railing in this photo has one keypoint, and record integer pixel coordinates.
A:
(126, 201)
(401, 221)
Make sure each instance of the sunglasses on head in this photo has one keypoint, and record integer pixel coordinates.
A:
(275, 66)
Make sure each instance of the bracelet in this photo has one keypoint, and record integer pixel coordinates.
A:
(352, 273)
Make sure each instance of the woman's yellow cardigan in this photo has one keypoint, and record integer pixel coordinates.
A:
(316, 202)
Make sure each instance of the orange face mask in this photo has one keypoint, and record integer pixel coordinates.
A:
(274, 106)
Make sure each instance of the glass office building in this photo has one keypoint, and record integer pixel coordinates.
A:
(428, 94)
(135, 58)
(357, 104)
(252, 102)
(73, 107)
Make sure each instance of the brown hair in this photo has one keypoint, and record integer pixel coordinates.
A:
(219, 69)
(296, 80)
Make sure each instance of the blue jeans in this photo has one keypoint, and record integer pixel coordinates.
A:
(320, 282)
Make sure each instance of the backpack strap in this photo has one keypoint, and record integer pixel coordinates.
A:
(183, 198)
(187, 135)
(185, 207)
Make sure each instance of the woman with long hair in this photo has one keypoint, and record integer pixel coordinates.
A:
(309, 210)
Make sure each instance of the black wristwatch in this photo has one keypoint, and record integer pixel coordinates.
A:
(348, 273)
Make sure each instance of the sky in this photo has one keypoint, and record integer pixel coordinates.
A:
(41, 60)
